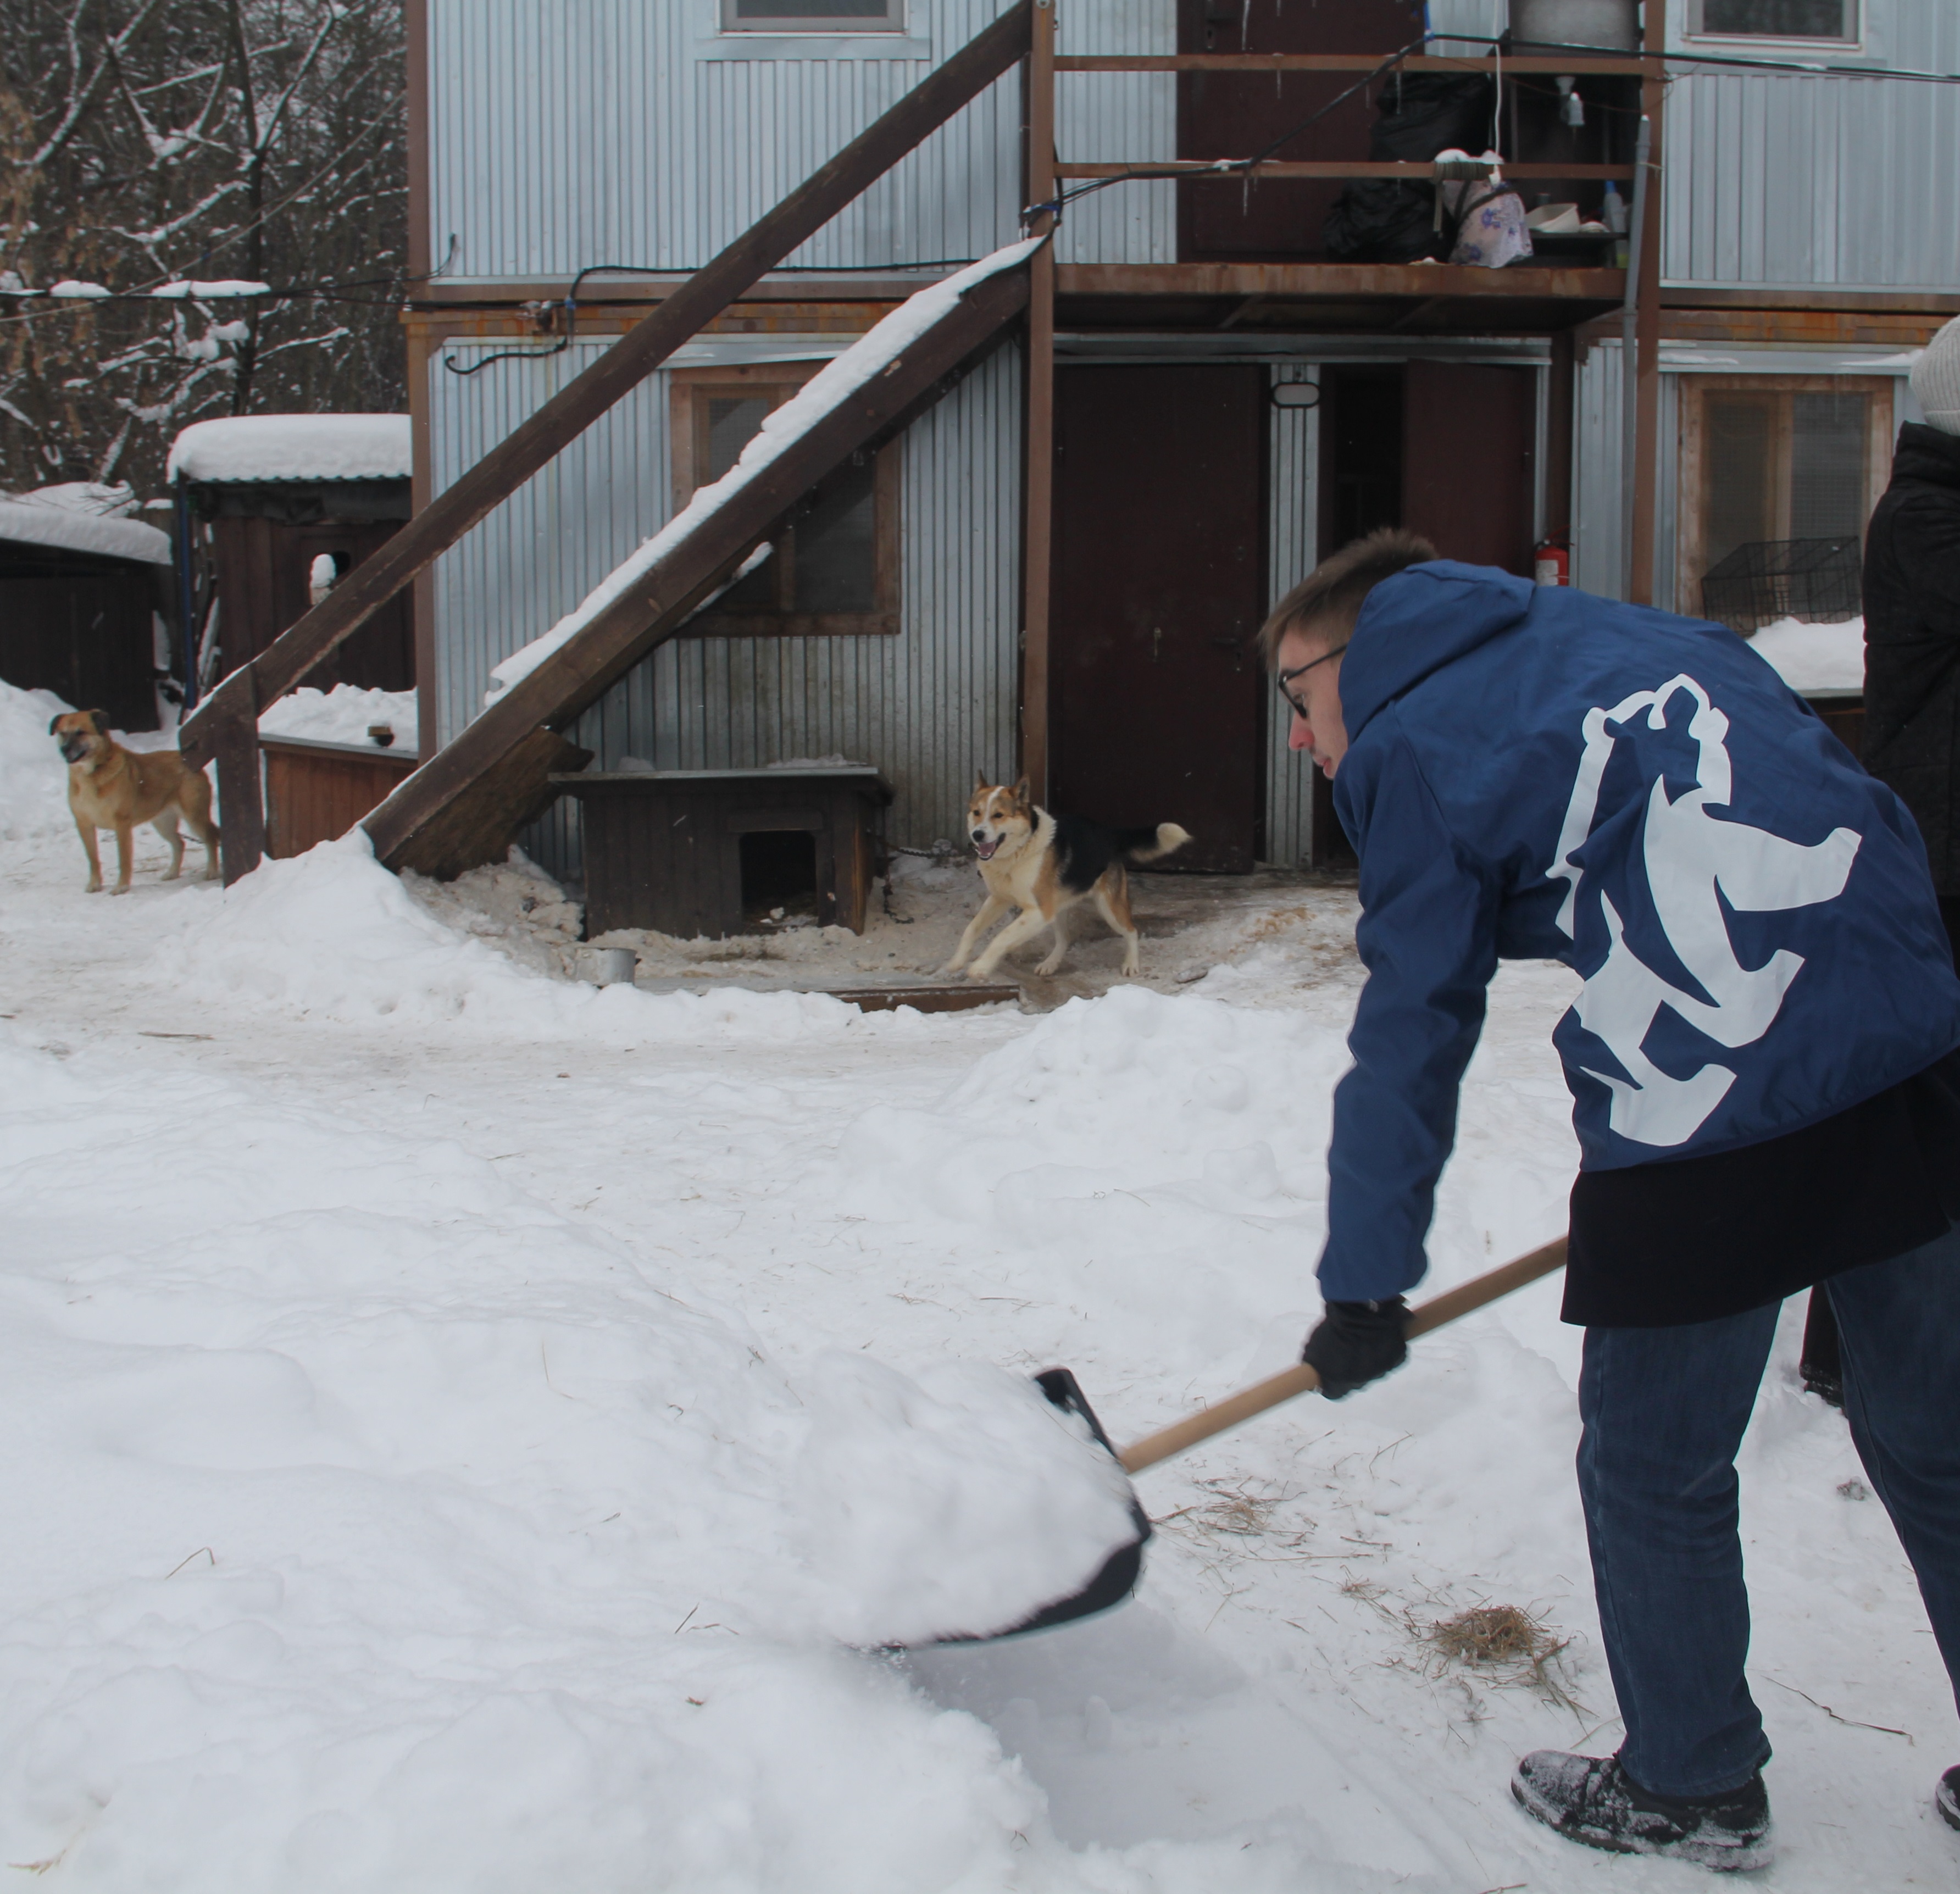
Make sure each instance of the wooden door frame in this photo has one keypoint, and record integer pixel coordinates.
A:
(1691, 537)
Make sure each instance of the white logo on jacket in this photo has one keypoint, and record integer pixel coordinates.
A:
(1693, 861)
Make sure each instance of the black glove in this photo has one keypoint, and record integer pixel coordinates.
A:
(1357, 1342)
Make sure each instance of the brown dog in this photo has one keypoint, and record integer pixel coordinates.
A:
(112, 787)
(1045, 865)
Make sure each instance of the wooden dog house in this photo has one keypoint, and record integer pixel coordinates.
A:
(699, 851)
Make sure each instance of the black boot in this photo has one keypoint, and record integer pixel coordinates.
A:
(1820, 1361)
(1946, 1797)
(1592, 1800)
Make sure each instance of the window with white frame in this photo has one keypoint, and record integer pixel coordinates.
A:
(1833, 21)
(812, 16)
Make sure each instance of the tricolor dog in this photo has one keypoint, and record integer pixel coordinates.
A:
(112, 787)
(1045, 865)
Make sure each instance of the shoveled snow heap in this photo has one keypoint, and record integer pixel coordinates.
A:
(1814, 657)
(295, 447)
(864, 360)
(332, 934)
(471, 1476)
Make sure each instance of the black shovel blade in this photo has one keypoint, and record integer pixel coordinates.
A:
(1121, 1569)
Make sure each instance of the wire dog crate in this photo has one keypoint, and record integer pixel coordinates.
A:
(1817, 581)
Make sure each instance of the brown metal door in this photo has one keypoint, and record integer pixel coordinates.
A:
(1237, 114)
(1159, 562)
(1468, 435)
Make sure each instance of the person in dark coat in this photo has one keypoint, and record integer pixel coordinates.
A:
(1912, 681)
(1912, 621)
(1764, 1066)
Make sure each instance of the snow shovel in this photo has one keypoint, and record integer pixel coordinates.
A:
(1120, 1571)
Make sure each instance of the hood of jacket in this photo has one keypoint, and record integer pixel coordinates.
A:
(1925, 453)
(1419, 621)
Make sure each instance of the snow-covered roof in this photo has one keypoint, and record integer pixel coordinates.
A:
(28, 523)
(294, 447)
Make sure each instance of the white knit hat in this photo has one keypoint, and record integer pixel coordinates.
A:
(1936, 379)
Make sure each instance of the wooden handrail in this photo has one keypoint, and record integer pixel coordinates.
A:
(233, 706)
(1330, 167)
(1625, 66)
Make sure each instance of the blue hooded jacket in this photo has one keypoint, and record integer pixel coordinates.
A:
(1534, 773)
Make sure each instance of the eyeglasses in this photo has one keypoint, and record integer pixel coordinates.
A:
(1282, 679)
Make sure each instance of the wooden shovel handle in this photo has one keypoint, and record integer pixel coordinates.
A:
(1303, 1379)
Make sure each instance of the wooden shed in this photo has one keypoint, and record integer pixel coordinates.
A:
(277, 509)
(84, 599)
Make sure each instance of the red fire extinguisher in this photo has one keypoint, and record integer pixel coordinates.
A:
(1551, 562)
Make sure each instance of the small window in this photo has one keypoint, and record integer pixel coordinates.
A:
(1833, 21)
(812, 16)
(1769, 459)
(833, 571)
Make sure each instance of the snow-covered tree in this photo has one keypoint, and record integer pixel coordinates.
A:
(174, 145)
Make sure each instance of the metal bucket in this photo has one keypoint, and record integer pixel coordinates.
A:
(611, 966)
(1613, 26)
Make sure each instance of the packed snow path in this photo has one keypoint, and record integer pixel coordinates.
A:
(397, 1403)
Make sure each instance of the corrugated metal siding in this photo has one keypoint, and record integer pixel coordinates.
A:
(928, 707)
(545, 547)
(564, 133)
(1112, 118)
(1293, 484)
(1787, 179)
(1599, 522)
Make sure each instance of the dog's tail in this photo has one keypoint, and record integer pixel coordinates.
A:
(1150, 844)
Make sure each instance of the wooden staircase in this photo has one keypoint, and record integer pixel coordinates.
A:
(465, 804)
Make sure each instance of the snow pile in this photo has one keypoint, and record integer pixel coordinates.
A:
(961, 1502)
(394, 1532)
(514, 906)
(114, 502)
(343, 715)
(33, 522)
(865, 359)
(1223, 1105)
(295, 447)
(1162, 1160)
(1810, 658)
(332, 933)
(33, 779)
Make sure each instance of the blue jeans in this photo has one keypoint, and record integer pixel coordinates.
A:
(1664, 1410)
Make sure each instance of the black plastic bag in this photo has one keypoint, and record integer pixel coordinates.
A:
(1380, 220)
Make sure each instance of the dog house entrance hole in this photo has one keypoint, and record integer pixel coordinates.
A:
(778, 870)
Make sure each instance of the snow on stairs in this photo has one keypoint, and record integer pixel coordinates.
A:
(464, 806)
(223, 728)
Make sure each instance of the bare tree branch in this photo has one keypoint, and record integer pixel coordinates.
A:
(142, 142)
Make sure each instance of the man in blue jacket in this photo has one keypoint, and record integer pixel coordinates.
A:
(1765, 1081)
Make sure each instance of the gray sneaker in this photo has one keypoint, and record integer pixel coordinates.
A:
(1592, 1800)
(1946, 1797)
